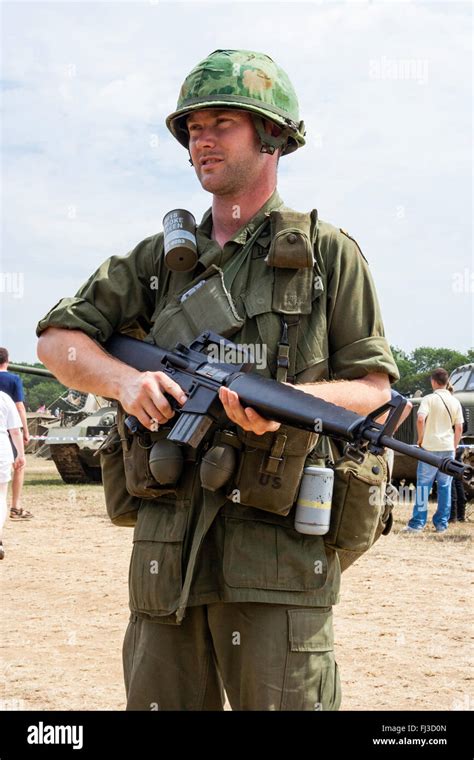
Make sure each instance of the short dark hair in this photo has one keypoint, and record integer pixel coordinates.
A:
(440, 376)
(3, 356)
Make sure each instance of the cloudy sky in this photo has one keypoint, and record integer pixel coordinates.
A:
(89, 168)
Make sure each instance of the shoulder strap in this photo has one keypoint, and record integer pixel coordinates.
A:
(447, 408)
(293, 238)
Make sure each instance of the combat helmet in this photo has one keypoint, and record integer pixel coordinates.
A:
(248, 81)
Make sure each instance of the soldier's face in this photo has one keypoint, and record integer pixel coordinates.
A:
(225, 150)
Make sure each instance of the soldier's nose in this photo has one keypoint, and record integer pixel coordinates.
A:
(205, 139)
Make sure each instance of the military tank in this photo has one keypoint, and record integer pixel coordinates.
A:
(74, 426)
(462, 380)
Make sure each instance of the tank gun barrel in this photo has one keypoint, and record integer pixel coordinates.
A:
(30, 370)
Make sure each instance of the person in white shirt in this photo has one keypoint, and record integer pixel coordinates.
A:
(10, 422)
(439, 425)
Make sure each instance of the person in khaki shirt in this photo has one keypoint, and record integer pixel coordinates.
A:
(237, 603)
(439, 426)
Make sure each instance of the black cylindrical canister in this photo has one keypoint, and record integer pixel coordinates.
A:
(179, 228)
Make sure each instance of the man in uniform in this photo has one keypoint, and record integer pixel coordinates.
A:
(238, 599)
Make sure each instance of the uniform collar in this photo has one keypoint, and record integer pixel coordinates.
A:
(243, 234)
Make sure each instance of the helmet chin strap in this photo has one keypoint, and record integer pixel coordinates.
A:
(270, 142)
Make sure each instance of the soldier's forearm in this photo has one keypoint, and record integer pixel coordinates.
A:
(361, 396)
(78, 362)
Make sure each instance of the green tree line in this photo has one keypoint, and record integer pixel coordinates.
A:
(416, 367)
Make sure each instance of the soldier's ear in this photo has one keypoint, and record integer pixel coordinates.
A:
(271, 128)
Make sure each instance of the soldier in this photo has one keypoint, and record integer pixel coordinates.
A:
(224, 593)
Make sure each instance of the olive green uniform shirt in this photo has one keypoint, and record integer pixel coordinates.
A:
(205, 547)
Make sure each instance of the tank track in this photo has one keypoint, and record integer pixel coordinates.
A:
(70, 467)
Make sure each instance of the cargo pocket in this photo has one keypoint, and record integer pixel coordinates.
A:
(155, 577)
(312, 345)
(265, 555)
(122, 507)
(311, 680)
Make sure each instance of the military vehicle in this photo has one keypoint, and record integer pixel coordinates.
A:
(462, 380)
(74, 426)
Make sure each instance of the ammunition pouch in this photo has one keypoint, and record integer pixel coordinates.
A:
(291, 255)
(361, 507)
(270, 468)
(204, 304)
(136, 449)
(126, 475)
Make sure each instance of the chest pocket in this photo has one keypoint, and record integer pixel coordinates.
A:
(270, 295)
(202, 304)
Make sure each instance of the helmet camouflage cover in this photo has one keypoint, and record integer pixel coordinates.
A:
(248, 81)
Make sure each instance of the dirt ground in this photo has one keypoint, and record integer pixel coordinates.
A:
(403, 627)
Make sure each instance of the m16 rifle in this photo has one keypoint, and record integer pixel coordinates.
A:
(201, 376)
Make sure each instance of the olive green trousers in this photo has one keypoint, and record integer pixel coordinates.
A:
(265, 656)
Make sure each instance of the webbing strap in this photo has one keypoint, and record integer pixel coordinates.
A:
(287, 348)
(231, 267)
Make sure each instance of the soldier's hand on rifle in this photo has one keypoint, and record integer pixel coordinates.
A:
(247, 418)
(144, 398)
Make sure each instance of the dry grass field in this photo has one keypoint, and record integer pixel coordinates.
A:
(403, 627)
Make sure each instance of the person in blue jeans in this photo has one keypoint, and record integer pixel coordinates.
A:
(439, 425)
(426, 475)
